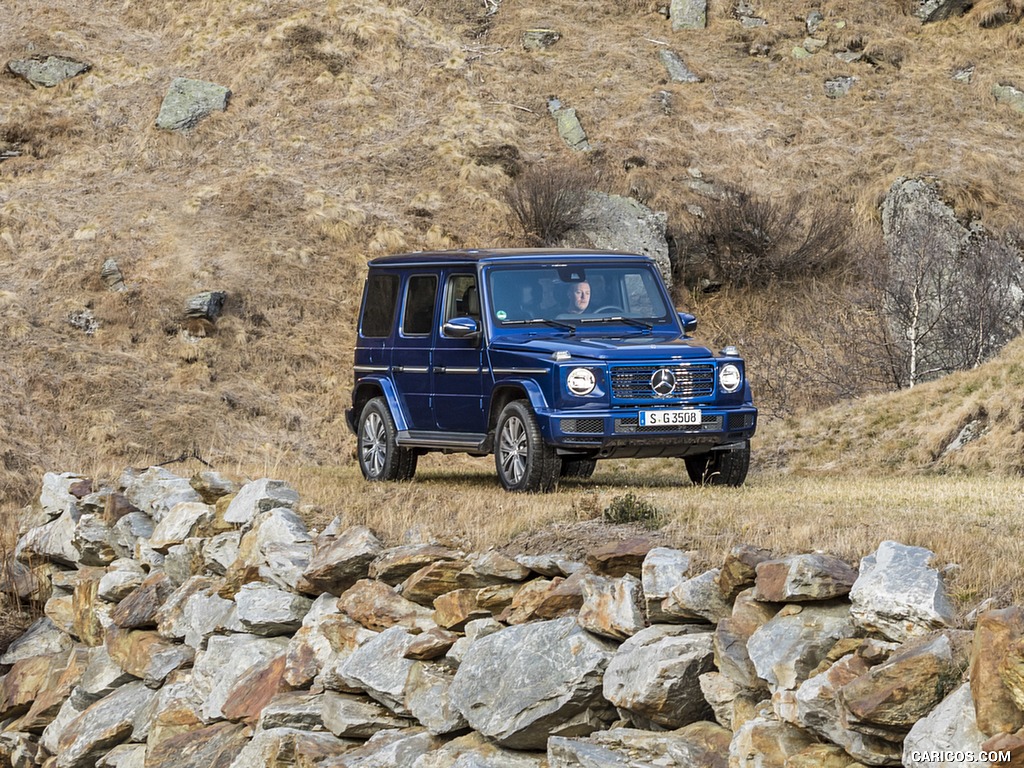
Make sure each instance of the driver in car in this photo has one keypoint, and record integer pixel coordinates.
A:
(579, 297)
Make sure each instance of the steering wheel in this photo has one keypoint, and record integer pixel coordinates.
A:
(610, 308)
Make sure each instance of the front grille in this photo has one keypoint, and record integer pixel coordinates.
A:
(740, 421)
(583, 426)
(630, 424)
(633, 382)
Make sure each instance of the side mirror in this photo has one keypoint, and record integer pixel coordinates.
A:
(462, 328)
(689, 322)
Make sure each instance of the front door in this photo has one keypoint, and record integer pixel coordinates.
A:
(457, 372)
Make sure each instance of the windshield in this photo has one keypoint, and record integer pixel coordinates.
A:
(577, 294)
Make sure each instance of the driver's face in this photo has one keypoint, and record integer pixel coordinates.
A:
(579, 297)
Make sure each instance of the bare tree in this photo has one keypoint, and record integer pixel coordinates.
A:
(951, 303)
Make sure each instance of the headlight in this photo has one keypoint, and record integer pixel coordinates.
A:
(729, 378)
(580, 381)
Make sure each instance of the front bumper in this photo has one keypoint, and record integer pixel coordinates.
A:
(616, 433)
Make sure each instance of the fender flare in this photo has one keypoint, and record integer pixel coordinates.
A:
(387, 388)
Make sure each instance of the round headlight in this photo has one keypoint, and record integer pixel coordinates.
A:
(581, 381)
(729, 378)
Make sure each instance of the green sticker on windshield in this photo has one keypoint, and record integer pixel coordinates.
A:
(501, 314)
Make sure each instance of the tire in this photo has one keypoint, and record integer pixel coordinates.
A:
(720, 467)
(380, 458)
(524, 461)
(580, 469)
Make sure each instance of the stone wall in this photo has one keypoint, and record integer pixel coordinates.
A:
(191, 622)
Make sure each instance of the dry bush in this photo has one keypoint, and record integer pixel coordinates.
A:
(754, 242)
(547, 202)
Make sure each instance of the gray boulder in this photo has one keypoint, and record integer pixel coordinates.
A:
(47, 71)
(353, 717)
(524, 683)
(1007, 94)
(899, 594)
(678, 72)
(206, 305)
(663, 568)
(102, 726)
(379, 668)
(688, 14)
(569, 126)
(785, 650)
(697, 600)
(156, 490)
(189, 101)
(800, 578)
(620, 223)
(260, 496)
(53, 541)
(266, 610)
(950, 727)
(224, 662)
(655, 675)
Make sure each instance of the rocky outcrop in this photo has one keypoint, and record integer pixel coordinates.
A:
(203, 624)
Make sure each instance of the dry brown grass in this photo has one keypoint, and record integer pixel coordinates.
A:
(356, 129)
(973, 522)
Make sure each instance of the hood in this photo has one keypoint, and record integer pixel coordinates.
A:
(620, 348)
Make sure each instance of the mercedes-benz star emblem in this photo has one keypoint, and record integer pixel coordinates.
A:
(663, 382)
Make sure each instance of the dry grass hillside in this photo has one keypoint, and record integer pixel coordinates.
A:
(360, 128)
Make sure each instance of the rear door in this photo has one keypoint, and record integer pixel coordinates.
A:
(411, 358)
(458, 363)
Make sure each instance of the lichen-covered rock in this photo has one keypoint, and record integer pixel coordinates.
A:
(48, 71)
(189, 101)
(688, 14)
(522, 684)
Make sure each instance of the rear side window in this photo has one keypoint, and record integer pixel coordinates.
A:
(379, 306)
(420, 297)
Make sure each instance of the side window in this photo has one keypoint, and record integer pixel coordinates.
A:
(639, 291)
(461, 298)
(420, 298)
(379, 306)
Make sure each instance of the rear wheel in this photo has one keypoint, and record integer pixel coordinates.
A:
(523, 460)
(380, 458)
(720, 467)
(578, 468)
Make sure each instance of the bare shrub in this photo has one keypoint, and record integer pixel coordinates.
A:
(548, 202)
(750, 241)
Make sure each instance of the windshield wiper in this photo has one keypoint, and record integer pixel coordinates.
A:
(544, 321)
(620, 319)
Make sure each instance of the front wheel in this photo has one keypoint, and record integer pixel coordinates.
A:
(380, 458)
(720, 467)
(523, 460)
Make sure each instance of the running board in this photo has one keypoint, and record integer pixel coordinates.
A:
(456, 441)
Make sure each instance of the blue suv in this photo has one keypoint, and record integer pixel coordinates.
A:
(549, 359)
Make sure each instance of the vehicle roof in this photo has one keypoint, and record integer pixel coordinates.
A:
(498, 255)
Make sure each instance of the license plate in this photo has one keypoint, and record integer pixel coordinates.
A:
(681, 418)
